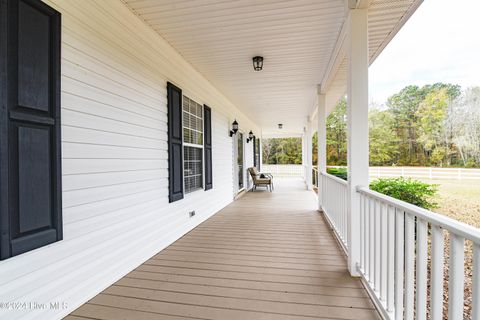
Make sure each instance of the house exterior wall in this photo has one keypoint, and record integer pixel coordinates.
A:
(114, 156)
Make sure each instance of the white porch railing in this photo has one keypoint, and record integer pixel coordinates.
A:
(334, 201)
(315, 177)
(399, 243)
(402, 251)
(285, 170)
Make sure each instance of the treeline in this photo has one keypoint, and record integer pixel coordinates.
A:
(433, 125)
(282, 151)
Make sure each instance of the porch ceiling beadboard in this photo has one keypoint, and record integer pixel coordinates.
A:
(296, 38)
(114, 132)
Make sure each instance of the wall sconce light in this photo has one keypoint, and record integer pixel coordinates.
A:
(234, 128)
(250, 136)
(257, 63)
(280, 126)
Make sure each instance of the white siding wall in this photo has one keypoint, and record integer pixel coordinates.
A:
(114, 132)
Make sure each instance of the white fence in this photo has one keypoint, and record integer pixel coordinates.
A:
(402, 254)
(298, 170)
(285, 170)
(426, 173)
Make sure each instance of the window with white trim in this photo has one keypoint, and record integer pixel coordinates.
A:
(192, 145)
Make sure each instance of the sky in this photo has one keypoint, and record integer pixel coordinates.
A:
(439, 43)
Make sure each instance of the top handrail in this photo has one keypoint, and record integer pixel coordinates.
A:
(466, 231)
(332, 177)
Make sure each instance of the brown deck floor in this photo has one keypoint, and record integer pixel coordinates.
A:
(265, 256)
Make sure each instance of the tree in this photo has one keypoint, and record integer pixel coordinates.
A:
(384, 146)
(411, 108)
(337, 135)
(432, 136)
(282, 151)
(463, 121)
(437, 124)
(403, 106)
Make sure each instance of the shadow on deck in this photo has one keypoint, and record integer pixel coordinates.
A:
(265, 256)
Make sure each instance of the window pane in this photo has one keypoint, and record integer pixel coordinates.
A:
(192, 122)
(193, 168)
(193, 134)
(200, 124)
(186, 102)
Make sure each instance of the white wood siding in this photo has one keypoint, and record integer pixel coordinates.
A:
(115, 179)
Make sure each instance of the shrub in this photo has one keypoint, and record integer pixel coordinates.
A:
(412, 191)
(338, 172)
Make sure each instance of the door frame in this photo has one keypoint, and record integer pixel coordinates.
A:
(236, 181)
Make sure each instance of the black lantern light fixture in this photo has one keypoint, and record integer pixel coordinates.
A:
(280, 126)
(250, 136)
(234, 128)
(257, 63)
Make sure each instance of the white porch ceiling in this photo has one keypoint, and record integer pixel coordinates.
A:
(296, 38)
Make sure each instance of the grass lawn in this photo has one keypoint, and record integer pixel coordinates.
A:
(459, 199)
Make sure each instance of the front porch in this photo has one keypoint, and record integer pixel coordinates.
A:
(132, 154)
(265, 256)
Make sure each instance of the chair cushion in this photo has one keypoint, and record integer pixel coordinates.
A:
(263, 180)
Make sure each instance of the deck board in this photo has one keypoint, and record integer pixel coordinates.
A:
(265, 256)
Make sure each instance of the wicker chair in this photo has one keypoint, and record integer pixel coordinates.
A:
(261, 179)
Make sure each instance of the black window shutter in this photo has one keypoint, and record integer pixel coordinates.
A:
(207, 127)
(175, 152)
(30, 157)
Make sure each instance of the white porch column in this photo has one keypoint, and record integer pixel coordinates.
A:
(357, 115)
(322, 144)
(308, 156)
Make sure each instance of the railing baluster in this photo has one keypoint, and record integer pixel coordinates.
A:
(367, 239)
(340, 212)
(391, 257)
(383, 211)
(421, 275)
(332, 206)
(377, 245)
(362, 234)
(409, 266)
(436, 305)
(456, 277)
(476, 282)
(399, 262)
(345, 212)
(365, 221)
(324, 192)
(337, 209)
(372, 240)
(335, 206)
